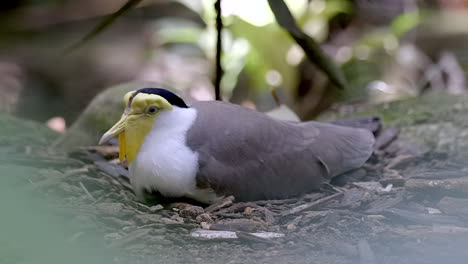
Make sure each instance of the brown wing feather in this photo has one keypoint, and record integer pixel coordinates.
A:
(252, 156)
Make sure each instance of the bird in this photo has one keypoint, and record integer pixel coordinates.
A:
(209, 150)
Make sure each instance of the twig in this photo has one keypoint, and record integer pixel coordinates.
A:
(275, 97)
(459, 186)
(220, 204)
(303, 207)
(86, 191)
(251, 238)
(236, 207)
(52, 180)
(219, 68)
(73, 172)
(277, 202)
(103, 25)
(224, 234)
(311, 48)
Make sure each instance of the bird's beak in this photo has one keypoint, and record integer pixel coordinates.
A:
(116, 130)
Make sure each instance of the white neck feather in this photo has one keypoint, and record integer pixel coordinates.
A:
(164, 161)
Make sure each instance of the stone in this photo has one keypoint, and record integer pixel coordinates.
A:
(169, 221)
(248, 210)
(204, 218)
(155, 208)
(191, 212)
(246, 225)
(205, 225)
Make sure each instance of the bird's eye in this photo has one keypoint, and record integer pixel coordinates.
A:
(152, 110)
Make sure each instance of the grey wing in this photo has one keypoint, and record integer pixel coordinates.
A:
(251, 156)
(341, 148)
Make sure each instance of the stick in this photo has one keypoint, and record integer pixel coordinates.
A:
(86, 191)
(303, 207)
(219, 47)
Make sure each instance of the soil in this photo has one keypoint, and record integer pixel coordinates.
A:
(408, 204)
(400, 208)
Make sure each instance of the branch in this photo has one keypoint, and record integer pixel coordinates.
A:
(311, 48)
(104, 24)
(219, 47)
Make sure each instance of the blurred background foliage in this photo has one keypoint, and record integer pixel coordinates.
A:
(387, 50)
(33, 231)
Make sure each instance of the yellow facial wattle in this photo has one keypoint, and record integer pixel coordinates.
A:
(122, 147)
(136, 122)
(136, 129)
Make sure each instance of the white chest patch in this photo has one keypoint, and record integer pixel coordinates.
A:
(165, 163)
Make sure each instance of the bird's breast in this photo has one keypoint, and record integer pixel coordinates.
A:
(164, 162)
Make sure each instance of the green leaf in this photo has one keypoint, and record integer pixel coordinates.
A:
(310, 46)
(405, 22)
(263, 56)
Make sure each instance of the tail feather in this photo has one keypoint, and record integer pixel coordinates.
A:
(341, 149)
(371, 123)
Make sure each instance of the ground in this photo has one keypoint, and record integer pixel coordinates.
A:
(409, 204)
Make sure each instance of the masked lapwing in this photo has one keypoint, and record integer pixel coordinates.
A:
(208, 150)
